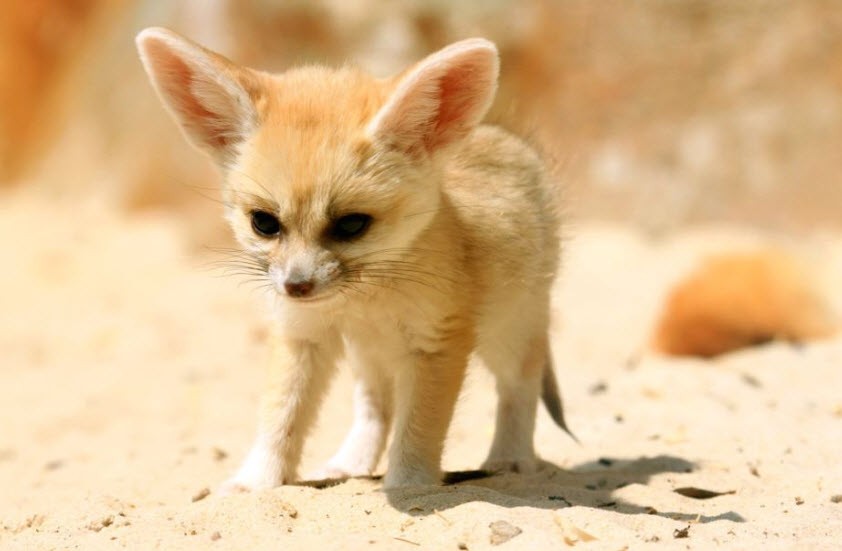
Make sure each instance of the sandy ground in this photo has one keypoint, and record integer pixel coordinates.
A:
(130, 372)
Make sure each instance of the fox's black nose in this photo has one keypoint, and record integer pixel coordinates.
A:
(298, 287)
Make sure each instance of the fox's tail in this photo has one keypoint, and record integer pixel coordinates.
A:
(552, 400)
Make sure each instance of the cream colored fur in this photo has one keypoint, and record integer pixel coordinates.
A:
(458, 259)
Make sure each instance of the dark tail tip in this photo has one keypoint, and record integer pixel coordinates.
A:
(552, 400)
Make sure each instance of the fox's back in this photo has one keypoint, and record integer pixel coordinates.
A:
(507, 206)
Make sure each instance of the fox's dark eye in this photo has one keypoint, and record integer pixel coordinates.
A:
(265, 223)
(350, 226)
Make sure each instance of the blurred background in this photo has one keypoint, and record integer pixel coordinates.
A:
(658, 113)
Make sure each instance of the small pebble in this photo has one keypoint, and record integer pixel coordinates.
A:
(502, 531)
(219, 454)
(598, 388)
(54, 464)
(291, 511)
(681, 533)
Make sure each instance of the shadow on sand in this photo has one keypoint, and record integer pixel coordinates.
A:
(590, 484)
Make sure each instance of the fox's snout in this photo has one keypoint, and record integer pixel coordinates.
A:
(298, 288)
(303, 277)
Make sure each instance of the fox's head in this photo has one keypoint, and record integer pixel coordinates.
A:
(330, 175)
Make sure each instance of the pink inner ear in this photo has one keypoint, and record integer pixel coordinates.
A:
(440, 101)
(178, 83)
(456, 94)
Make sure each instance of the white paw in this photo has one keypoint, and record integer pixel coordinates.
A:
(525, 465)
(232, 486)
(334, 472)
(405, 477)
(248, 481)
(260, 471)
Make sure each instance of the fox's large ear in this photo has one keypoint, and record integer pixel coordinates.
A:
(441, 99)
(210, 97)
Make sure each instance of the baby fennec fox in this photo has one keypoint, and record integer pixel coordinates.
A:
(395, 231)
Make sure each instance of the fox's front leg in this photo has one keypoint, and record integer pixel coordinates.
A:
(361, 450)
(425, 397)
(298, 377)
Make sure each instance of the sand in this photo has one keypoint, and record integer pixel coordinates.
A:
(130, 370)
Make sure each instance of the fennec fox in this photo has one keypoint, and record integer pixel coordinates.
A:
(395, 231)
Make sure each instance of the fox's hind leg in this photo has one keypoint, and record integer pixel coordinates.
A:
(518, 365)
